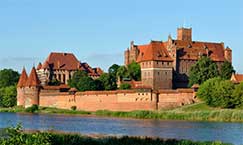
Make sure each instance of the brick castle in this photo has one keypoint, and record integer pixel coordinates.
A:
(166, 64)
(164, 69)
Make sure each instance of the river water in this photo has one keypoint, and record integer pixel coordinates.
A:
(197, 131)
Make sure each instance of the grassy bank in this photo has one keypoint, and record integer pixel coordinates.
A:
(17, 137)
(194, 112)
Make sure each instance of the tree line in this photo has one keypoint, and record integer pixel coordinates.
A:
(107, 81)
(8, 81)
(216, 89)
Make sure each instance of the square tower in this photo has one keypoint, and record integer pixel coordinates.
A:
(184, 34)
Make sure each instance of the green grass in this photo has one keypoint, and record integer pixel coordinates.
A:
(193, 112)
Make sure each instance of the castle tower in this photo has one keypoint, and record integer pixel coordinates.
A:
(228, 54)
(21, 88)
(184, 34)
(32, 89)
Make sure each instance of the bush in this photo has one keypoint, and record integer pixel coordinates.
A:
(217, 93)
(74, 108)
(32, 109)
(125, 86)
(238, 95)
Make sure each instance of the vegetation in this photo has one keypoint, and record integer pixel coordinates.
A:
(226, 70)
(14, 136)
(8, 82)
(107, 81)
(32, 109)
(217, 92)
(202, 70)
(125, 86)
(132, 72)
(193, 112)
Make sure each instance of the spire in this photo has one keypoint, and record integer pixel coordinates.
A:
(39, 66)
(33, 79)
(23, 78)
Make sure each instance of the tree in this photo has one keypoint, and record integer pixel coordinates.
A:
(113, 70)
(108, 81)
(202, 70)
(82, 81)
(8, 96)
(8, 77)
(217, 93)
(134, 71)
(238, 95)
(122, 72)
(226, 70)
(125, 86)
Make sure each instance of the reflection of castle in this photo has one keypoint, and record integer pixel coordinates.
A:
(58, 66)
(165, 65)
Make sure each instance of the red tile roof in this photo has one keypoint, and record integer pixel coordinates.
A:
(237, 78)
(67, 61)
(63, 61)
(23, 78)
(156, 51)
(33, 79)
(191, 50)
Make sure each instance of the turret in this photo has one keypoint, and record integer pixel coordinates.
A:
(184, 34)
(21, 88)
(228, 54)
(32, 89)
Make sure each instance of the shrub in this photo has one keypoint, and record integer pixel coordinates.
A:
(125, 86)
(32, 109)
(74, 108)
(217, 93)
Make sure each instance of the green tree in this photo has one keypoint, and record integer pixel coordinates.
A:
(238, 95)
(82, 81)
(226, 70)
(134, 71)
(8, 77)
(217, 93)
(108, 81)
(202, 70)
(122, 72)
(8, 96)
(125, 86)
(113, 70)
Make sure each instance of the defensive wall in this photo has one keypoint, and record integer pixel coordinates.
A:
(120, 100)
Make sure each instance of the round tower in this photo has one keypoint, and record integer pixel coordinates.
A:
(32, 89)
(21, 88)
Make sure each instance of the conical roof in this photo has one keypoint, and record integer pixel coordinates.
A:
(23, 78)
(33, 79)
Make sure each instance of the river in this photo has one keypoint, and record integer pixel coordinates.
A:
(197, 131)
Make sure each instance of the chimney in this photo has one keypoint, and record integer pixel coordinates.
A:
(184, 34)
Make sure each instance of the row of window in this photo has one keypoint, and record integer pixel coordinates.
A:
(161, 63)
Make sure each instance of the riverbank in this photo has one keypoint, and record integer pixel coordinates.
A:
(16, 136)
(194, 112)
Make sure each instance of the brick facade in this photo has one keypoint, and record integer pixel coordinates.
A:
(180, 54)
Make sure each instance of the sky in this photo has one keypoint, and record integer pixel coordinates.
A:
(98, 31)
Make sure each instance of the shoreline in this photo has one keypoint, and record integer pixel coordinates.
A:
(195, 112)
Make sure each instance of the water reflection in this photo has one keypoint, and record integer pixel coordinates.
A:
(198, 131)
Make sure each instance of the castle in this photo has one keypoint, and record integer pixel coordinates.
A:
(164, 71)
(165, 65)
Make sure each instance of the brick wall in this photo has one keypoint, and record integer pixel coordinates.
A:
(116, 100)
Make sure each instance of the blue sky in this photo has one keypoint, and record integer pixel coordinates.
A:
(98, 31)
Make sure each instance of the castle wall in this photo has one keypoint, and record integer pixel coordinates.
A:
(115, 100)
